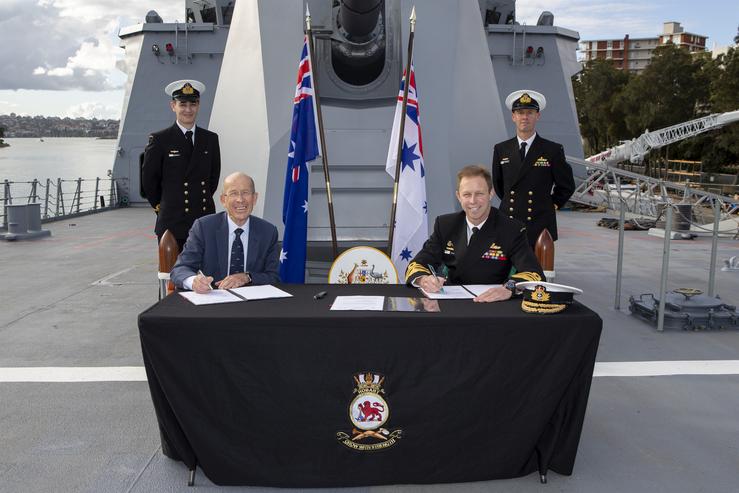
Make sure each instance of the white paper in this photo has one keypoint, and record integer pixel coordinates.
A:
(373, 303)
(478, 289)
(260, 292)
(210, 298)
(449, 293)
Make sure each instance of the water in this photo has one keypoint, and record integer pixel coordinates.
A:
(67, 158)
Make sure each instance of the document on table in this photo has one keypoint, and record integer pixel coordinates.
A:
(450, 293)
(478, 289)
(260, 292)
(211, 297)
(369, 303)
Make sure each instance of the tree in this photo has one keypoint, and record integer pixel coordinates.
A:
(601, 122)
(671, 90)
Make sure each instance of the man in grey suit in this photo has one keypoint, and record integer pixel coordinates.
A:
(233, 248)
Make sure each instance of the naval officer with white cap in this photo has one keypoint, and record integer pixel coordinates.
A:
(530, 174)
(182, 165)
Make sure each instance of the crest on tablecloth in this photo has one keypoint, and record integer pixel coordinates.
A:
(368, 413)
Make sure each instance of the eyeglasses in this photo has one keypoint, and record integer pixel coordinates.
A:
(235, 194)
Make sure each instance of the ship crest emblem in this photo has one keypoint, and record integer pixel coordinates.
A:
(540, 294)
(368, 413)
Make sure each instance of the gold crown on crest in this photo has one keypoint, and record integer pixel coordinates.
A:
(187, 89)
(368, 382)
(540, 294)
(525, 98)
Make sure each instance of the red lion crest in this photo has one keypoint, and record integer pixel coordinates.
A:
(370, 412)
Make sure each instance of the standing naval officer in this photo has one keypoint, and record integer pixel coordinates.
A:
(530, 174)
(182, 165)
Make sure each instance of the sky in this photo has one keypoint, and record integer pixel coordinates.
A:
(59, 57)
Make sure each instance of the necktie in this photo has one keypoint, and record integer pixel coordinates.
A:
(475, 229)
(522, 151)
(237, 253)
(188, 137)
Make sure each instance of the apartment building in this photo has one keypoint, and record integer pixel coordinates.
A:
(635, 54)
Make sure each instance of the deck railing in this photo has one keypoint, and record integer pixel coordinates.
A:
(59, 198)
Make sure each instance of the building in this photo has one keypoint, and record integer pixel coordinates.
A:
(634, 54)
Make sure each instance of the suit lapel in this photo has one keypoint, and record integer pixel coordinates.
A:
(197, 149)
(528, 162)
(251, 247)
(222, 246)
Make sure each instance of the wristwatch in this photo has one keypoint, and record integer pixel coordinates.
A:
(248, 277)
(510, 285)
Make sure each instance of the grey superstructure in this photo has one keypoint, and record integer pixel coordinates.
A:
(468, 56)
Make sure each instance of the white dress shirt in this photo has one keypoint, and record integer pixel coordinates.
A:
(470, 226)
(187, 283)
(186, 130)
(528, 141)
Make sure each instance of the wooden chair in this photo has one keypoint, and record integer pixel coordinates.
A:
(544, 251)
(168, 252)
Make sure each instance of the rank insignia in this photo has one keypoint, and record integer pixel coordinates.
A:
(368, 412)
(542, 162)
(494, 252)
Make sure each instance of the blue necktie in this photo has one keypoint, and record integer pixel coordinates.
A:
(237, 253)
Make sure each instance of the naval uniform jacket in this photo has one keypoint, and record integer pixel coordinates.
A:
(180, 182)
(493, 250)
(530, 190)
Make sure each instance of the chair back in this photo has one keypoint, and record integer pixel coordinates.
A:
(363, 265)
(168, 252)
(544, 251)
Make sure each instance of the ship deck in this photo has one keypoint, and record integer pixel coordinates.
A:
(73, 299)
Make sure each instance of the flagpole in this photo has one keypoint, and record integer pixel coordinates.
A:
(406, 86)
(321, 136)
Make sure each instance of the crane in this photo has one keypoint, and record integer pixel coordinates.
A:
(636, 149)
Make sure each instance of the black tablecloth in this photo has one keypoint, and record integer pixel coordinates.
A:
(255, 392)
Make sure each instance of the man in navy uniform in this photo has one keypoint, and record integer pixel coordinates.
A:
(182, 165)
(478, 245)
(530, 174)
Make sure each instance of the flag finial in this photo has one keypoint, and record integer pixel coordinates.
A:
(413, 18)
(307, 17)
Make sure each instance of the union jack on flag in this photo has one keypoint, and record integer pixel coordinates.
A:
(304, 147)
(411, 215)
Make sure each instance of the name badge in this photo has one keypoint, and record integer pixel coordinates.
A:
(505, 160)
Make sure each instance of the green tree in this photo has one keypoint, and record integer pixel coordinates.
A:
(671, 90)
(601, 122)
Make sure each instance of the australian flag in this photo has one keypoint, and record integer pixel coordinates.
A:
(304, 147)
(411, 219)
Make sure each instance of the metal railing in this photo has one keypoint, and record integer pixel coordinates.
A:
(60, 198)
(612, 187)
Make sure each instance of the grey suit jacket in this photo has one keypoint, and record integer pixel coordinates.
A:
(206, 249)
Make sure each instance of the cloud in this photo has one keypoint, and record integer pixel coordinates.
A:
(69, 44)
(94, 110)
(594, 20)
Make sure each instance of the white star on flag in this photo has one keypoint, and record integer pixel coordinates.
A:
(305, 207)
(283, 255)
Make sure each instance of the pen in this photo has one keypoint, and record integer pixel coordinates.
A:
(320, 295)
(433, 272)
(200, 273)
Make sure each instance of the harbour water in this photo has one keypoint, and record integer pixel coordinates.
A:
(67, 158)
